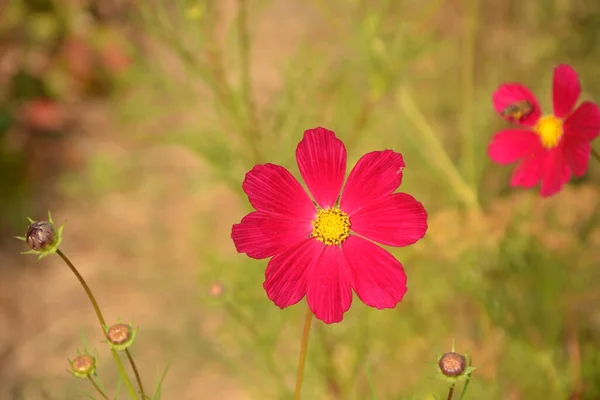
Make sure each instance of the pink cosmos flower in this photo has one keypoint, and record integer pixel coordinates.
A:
(549, 148)
(324, 249)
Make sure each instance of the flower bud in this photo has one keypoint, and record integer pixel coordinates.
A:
(42, 237)
(452, 364)
(121, 336)
(83, 365)
(454, 367)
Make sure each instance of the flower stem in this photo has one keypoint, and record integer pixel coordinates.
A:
(101, 320)
(98, 389)
(596, 155)
(252, 131)
(468, 154)
(303, 348)
(136, 373)
(462, 395)
(450, 392)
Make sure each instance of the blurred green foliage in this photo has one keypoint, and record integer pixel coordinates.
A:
(54, 54)
(512, 278)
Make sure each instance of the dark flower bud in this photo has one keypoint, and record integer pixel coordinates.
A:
(83, 365)
(454, 367)
(452, 364)
(120, 336)
(40, 236)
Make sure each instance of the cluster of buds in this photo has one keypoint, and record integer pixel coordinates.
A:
(44, 238)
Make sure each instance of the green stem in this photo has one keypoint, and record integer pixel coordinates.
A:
(596, 155)
(464, 391)
(251, 124)
(303, 351)
(136, 373)
(450, 392)
(468, 92)
(370, 382)
(92, 299)
(104, 396)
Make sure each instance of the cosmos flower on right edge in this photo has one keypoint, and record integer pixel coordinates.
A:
(550, 148)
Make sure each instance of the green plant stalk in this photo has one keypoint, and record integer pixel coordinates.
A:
(468, 93)
(595, 155)
(466, 386)
(136, 373)
(98, 389)
(303, 352)
(450, 392)
(370, 382)
(436, 153)
(252, 130)
(92, 299)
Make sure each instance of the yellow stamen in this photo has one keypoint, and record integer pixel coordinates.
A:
(550, 130)
(331, 226)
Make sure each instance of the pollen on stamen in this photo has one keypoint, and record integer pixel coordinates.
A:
(331, 226)
(550, 130)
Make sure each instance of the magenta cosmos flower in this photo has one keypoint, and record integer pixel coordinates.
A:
(324, 249)
(549, 148)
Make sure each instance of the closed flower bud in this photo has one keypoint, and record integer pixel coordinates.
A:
(83, 365)
(454, 367)
(42, 237)
(121, 336)
(452, 364)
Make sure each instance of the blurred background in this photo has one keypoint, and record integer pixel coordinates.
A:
(134, 122)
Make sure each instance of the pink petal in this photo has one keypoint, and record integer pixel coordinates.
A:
(529, 172)
(395, 220)
(321, 158)
(375, 175)
(565, 90)
(584, 122)
(555, 172)
(263, 235)
(329, 292)
(513, 144)
(287, 274)
(377, 277)
(511, 93)
(272, 189)
(577, 155)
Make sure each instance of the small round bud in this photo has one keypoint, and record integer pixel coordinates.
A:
(120, 336)
(40, 236)
(83, 365)
(216, 289)
(452, 364)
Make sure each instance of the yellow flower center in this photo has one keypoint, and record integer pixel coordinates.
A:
(550, 130)
(331, 226)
